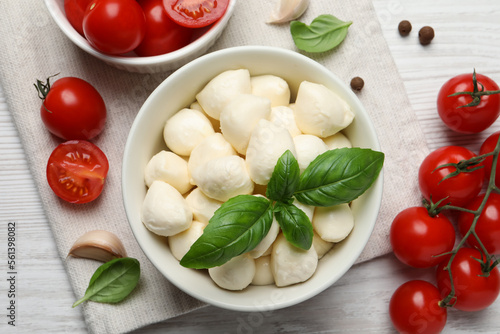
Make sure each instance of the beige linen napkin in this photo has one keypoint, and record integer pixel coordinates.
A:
(32, 47)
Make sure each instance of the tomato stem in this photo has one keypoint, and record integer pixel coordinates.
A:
(476, 94)
(488, 261)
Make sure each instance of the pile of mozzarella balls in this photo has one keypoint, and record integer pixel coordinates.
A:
(226, 144)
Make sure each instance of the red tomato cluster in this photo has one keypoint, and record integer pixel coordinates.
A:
(145, 27)
(451, 179)
(73, 110)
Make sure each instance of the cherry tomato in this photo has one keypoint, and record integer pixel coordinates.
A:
(471, 119)
(195, 13)
(76, 171)
(418, 238)
(488, 225)
(162, 34)
(474, 291)
(74, 10)
(414, 308)
(114, 26)
(489, 146)
(459, 189)
(72, 108)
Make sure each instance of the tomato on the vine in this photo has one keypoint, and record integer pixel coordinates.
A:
(488, 225)
(195, 13)
(475, 290)
(162, 34)
(489, 146)
(71, 108)
(468, 113)
(76, 171)
(417, 238)
(74, 10)
(414, 308)
(455, 190)
(114, 26)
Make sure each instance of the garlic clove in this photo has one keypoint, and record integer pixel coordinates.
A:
(98, 245)
(288, 10)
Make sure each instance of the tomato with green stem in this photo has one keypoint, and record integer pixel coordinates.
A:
(417, 239)
(476, 281)
(76, 171)
(415, 308)
(195, 13)
(488, 146)
(72, 108)
(487, 227)
(469, 103)
(450, 175)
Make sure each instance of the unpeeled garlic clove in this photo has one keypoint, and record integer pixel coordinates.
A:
(288, 10)
(98, 245)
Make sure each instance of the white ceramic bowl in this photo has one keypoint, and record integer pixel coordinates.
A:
(161, 63)
(145, 139)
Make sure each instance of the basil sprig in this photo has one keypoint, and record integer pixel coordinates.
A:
(325, 33)
(112, 281)
(239, 225)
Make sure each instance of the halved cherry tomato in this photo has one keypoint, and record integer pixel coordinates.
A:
(456, 190)
(72, 108)
(195, 13)
(77, 170)
(114, 26)
(162, 34)
(74, 10)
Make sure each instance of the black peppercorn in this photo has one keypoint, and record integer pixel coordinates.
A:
(425, 35)
(404, 28)
(357, 83)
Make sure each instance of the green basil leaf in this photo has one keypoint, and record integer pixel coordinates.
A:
(285, 178)
(325, 33)
(295, 224)
(112, 281)
(235, 228)
(339, 176)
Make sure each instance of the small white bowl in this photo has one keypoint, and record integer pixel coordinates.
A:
(154, 64)
(145, 139)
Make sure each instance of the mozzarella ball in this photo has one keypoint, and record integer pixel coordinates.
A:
(240, 116)
(215, 122)
(180, 243)
(290, 264)
(333, 223)
(308, 147)
(214, 146)
(203, 206)
(338, 140)
(224, 177)
(283, 116)
(267, 144)
(236, 274)
(222, 89)
(168, 167)
(268, 240)
(272, 87)
(186, 129)
(319, 111)
(263, 274)
(164, 211)
(321, 246)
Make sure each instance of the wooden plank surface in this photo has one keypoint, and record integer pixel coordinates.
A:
(467, 36)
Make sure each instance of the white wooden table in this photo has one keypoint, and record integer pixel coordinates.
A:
(467, 36)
